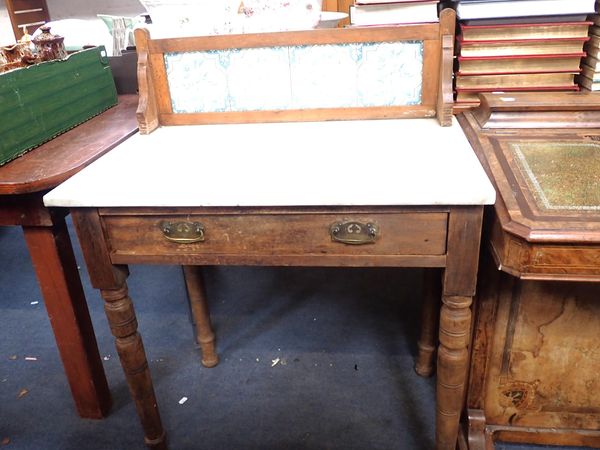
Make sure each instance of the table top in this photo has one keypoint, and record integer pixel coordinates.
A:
(334, 163)
(56, 160)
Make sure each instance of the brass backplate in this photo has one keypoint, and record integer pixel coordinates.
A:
(353, 232)
(182, 232)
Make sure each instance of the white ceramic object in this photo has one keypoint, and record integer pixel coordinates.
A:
(79, 33)
(211, 17)
(331, 19)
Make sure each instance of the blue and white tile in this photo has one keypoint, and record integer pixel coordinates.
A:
(259, 79)
(323, 76)
(197, 81)
(389, 73)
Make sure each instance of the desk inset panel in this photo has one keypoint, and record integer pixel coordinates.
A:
(296, 77)
(560, 175)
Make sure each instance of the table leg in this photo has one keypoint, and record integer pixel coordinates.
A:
(123, 324)
(199, 305)
(111, 280)
(455, 321)
(429, 322)
(460, 279)
(56, 269)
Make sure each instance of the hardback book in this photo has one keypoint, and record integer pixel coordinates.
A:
(527, 19)
(518, 80)
(379, 2)
(595, 18)
(478, 1)
(522, 8)
(594, 41)
(467, 97)
(590, 72)
(394, 13)
(525, 31)
(593, 62)
(595, 30)
(592, 47)
(521, 47)
(519, 64)
(469, 94)
(588, 83)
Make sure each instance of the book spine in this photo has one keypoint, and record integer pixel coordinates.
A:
(510, 57)
(521, 89)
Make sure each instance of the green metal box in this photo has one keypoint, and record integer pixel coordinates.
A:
(41, 101)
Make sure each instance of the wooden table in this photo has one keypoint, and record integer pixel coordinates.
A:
(23, 182)
(534, 373)
(161, 198)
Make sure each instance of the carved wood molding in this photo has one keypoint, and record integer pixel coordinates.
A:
(147, 111)
(445, 98)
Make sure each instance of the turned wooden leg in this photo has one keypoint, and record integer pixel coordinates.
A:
(52, 255)
(460, 279)
(205, 336)
(111, 280)
(429, 322)
(455, 321)
(123, 324)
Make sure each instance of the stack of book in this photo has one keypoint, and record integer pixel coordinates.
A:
(589, 79)
(392, 12)
(519, 45)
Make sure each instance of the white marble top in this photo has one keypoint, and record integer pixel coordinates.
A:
(345, 163)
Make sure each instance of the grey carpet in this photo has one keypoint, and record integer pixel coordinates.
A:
(344, 339)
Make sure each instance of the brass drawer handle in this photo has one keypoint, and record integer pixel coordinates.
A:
(354, 233)
(182, 232)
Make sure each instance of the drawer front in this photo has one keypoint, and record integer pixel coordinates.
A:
(407, 233)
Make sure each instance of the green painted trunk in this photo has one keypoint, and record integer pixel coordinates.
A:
(41, 101)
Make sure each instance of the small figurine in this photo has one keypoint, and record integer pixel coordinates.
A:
(27, 49)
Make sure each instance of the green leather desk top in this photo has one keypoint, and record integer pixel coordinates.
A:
(562, 175)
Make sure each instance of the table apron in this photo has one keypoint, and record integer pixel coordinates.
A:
(404, 239)
(27, 210)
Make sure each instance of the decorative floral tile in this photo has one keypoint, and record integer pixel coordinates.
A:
(296, 77)
(259, 79)
(390, 74)
(198, 81)
(323, 76)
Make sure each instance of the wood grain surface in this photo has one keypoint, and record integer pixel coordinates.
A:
(53, 162)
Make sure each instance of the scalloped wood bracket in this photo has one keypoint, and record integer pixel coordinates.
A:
(445, 99)
(147, 111)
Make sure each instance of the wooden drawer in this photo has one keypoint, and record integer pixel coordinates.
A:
(278, 239)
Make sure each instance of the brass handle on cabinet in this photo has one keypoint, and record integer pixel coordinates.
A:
(182, 232)
(354, 233)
